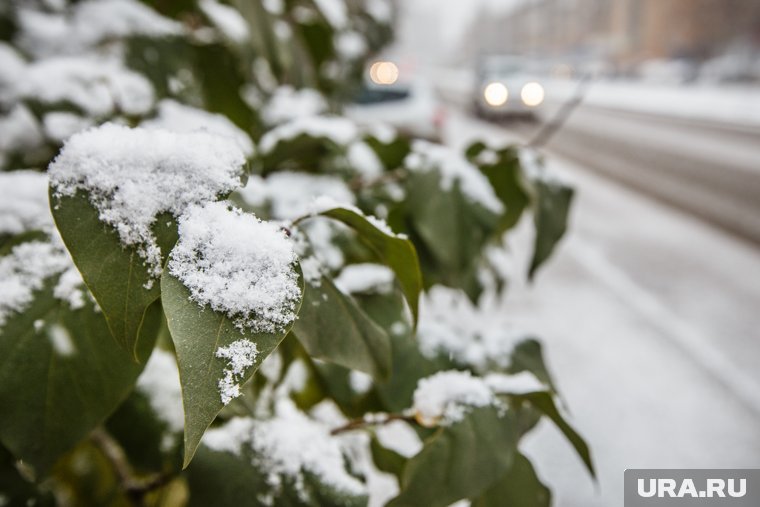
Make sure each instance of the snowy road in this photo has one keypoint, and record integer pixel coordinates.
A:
(650, 316)
(709, 170)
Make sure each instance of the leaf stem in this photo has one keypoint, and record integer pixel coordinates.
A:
(363, 422)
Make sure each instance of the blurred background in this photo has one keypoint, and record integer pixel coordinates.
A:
(650, 308)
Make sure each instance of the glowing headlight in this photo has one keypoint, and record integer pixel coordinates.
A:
(495, 94)
(383, 73)
(532, 94)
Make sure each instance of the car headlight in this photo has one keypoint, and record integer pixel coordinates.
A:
(496, 94)
(532, 94)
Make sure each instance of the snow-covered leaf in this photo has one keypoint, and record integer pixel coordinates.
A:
(231, 291)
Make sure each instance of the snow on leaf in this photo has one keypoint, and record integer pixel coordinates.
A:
(133, 175)
(240, 355)
(237, 265)
(446, 397)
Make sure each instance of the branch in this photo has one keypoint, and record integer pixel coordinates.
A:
(360, 423)
(134, 487)
(552, 127)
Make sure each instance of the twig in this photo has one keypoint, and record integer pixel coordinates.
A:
(360, 423)
(135, 488)
(549, 129)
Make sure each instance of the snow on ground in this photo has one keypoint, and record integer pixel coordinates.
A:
(649, 321)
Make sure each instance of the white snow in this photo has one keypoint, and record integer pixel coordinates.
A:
(159, 383)
(24, 270)
(325, 203)
(227, 19)
(60, 125)
(453, 167)
(98, 86)
(61, 340)
(340, 131)
(237, 265)
(87, 24)
(133, 175)
(451, 326)
(70, 288)
(290, 194)
(288, 103)
(446, 397)
(364, 160)
(335, 11)
(359, 381)
(287, 445)
(180, 118)
(358, 278)
(19, 131)
(23, 202)
(520, 383)
(239, 355)
(350, 45)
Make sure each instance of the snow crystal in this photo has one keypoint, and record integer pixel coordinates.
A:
(159, 383)
(520, 383)
(238, 265)
(364, 160)
(358, 278)
(60, 125)
(99, 87)
(240, 355)
(23, 202)
(133, 175)
(341, 131)
(24, 270)
(180, 118)
(451, 326)
(290, 194)
(335, 11)
(453, 167)
(287, 446)
(445, 397)
(61, 341)
(287, 104)
(227, 19)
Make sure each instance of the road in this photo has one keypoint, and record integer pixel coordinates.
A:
(650, 309)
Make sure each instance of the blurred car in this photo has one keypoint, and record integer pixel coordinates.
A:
(507, 86)
(410, 107)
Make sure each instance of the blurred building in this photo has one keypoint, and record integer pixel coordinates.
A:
(620, 32)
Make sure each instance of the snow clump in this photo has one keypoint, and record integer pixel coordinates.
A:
(446, 397)
(134, 175)
(286, 447)
(23, 202)
(237, 265)
(453, 167)
(240, 355)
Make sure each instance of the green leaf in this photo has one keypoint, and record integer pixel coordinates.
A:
(115, 275)
(551, 207)
(528, 356)
(387, 460)
(544, 402)
(53, 397)
(197, 334)
(396, 252)
(459, 461)
(505, 177)
(223, 479)
(331, 326)
(520, 487)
